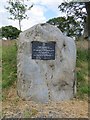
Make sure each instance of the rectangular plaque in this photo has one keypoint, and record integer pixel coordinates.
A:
(43, 50)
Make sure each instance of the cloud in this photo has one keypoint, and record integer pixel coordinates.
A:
(39, 13)
(51, 5)
(36, 15)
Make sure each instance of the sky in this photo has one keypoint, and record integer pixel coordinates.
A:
(42, 11)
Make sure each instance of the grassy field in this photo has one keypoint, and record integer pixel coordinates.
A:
(9, 63)
(9, 75)
(82, 68)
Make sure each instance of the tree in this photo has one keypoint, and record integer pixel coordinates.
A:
(10, 32)
(68, 25)
(17, 10)
(87, 5)
(76, 9)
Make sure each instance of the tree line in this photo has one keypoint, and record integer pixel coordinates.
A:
(76, 20)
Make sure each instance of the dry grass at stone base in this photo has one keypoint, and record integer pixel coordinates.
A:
(15, 107)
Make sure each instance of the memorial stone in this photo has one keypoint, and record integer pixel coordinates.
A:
(45, 64)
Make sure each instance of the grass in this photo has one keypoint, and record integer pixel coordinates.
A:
(29, 114)
(9, 63)
(0, 63)
(9, 76)
(83, 58)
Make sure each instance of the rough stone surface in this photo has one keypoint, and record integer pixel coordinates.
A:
(44, 80)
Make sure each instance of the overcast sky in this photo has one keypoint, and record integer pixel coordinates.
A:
(42, 11)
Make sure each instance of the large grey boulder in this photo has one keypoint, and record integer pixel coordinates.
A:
(44, 80)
